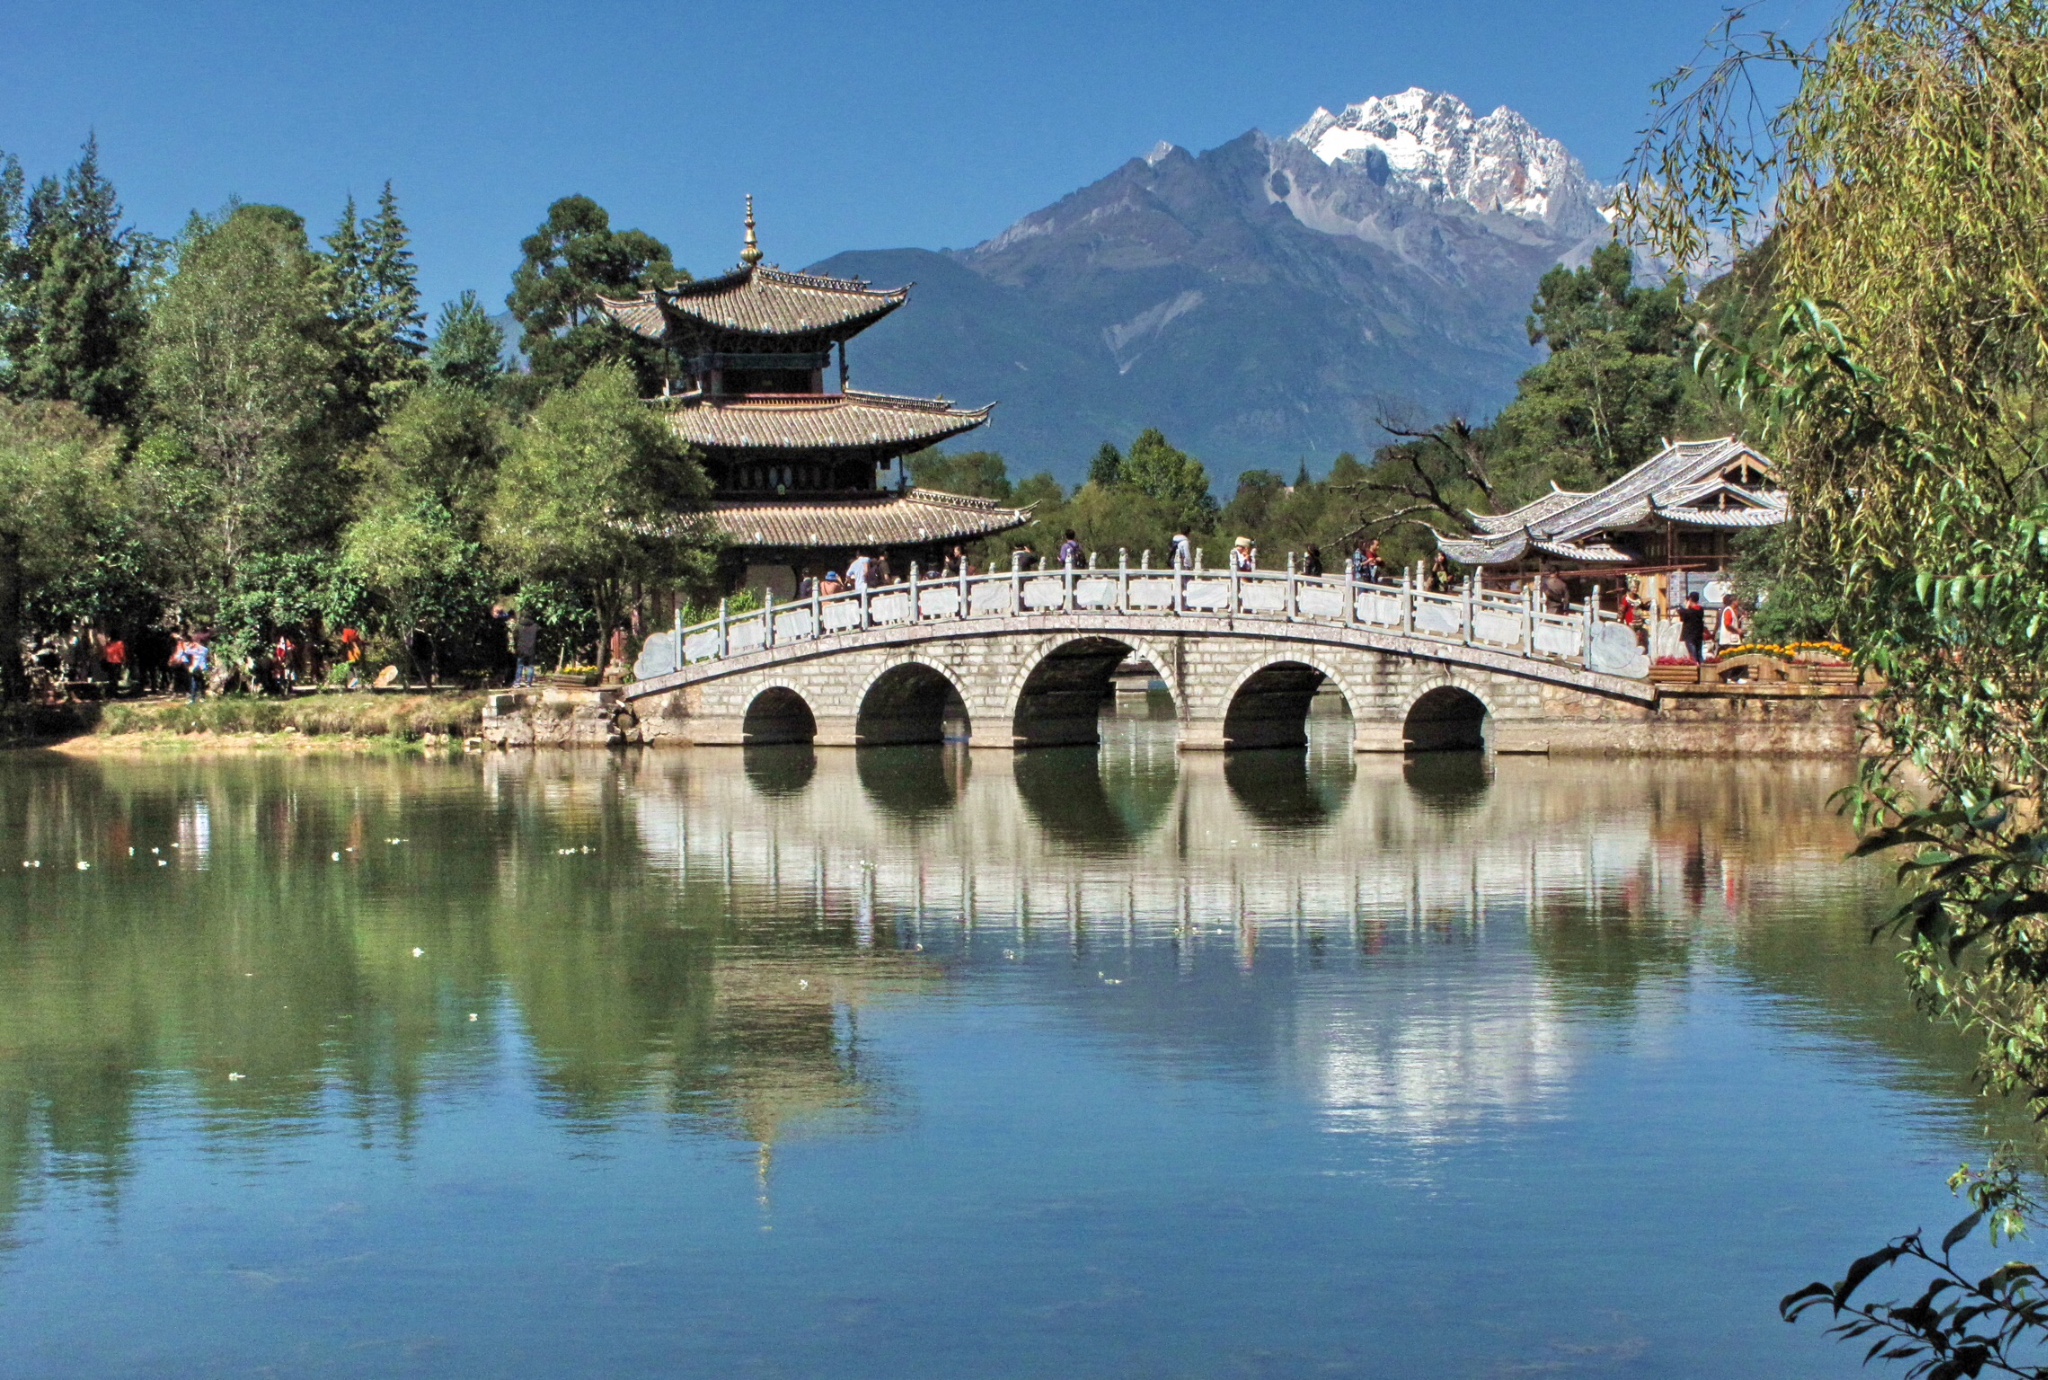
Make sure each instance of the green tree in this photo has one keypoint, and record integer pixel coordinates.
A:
(1106, 470)
(574, 258)
(1616, 384)
(424, 575)
(1899, 394)
(598, 495)
(241, 368)
(71, 290)
(468, 347)
(1172, 478)
(444, 446)
(976, 473)
(375, 302)
(59, 493)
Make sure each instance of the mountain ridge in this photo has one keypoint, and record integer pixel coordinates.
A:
(1264, 302)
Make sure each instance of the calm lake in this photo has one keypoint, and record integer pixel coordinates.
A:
(914, 1063)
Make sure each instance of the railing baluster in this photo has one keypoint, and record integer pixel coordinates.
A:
(724, 627)
(916, 613)
(1123, 580)
(768, 606)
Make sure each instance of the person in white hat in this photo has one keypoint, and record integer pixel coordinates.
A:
(1243, 555)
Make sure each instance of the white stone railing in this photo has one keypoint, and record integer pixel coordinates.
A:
(1490, 620)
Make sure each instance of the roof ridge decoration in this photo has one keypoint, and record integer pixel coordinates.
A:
(751, 254)
(909, 404)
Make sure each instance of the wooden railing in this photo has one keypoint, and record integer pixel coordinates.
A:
(1516, 624)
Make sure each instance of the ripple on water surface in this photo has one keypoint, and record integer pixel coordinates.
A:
(917, 1061)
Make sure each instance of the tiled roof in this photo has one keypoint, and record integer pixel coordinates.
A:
(917, 517)
(1684, 483)
(757, 301)
(1769, 516)
(812, 421)
(1555, 501)
(1595, 552)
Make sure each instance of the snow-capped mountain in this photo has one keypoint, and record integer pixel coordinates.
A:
(1264, 301)
(1432, 141)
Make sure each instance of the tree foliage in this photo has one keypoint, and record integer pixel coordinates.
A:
(59, 504)
(597, 495)
(1907, 179)
(72, 280)
(374, 295)
(468, 348)
(242, 372)
(1172, 478)
(574, 258)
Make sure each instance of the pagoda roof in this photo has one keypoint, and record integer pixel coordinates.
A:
(913, 518)
(785, 422)
(758, 301)
(1709, 484)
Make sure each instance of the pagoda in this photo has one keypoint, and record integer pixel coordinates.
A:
(797, 471)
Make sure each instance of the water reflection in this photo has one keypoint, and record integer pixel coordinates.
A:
(1288, 788)
(781, 768)
(1448, 783)
(912, 782)
(697, 934)
(1096, 801)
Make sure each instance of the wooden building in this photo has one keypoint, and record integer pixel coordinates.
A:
(1673, 516)
(797, 470)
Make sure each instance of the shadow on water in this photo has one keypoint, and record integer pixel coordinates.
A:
(1094, 800)
(1288, 788)
(780, 769)
(913, 782)
(1448, 783)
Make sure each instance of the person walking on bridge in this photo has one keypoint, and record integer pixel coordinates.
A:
(1183, 552)
(858, 570)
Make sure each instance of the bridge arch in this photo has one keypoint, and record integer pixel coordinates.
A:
(911, 701)
(1268, 706)
(1449, 716)
(1057, 698)
(779, 715)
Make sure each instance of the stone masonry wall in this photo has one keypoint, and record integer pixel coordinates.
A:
(1028, 685)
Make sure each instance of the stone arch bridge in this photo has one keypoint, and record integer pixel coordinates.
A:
(1024, 659)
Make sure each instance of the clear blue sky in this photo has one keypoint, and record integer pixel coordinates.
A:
(885, 125)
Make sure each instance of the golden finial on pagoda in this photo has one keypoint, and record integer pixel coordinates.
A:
(751, 255)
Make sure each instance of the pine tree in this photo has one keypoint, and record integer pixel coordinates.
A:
(394, 278)
(468, 347)
(374, 293)
(17, 275)
(1107, 469)
(71, 314)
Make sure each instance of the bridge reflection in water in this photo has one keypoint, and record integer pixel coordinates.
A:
(1132, 840)
(1134, 863)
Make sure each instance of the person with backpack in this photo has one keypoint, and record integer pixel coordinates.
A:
(1070, 549)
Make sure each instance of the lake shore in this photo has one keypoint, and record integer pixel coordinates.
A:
(322, 722)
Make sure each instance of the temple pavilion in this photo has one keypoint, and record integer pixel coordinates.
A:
(798, 471)
(1673, 516)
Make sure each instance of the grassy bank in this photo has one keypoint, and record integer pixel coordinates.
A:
(406, 718)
